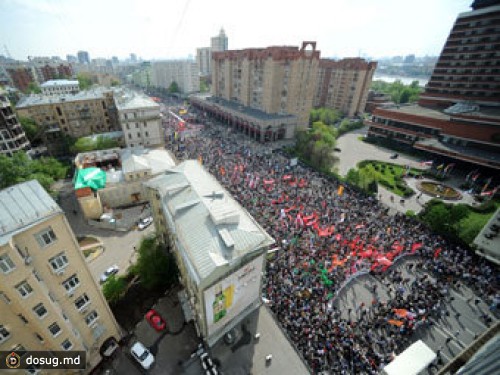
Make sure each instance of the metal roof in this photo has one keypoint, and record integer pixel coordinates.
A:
(140, 159)
(22, 206)
(59, 82)
(213, 230)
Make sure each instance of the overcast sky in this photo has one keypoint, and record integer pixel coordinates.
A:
(175, 28)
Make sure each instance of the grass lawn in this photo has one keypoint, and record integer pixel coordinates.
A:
(389, 175)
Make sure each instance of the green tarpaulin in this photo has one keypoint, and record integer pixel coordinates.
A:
(94, 178)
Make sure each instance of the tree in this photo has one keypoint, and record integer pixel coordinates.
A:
(438, 218)
(86, 144)
(173, 88)
(154, 266)
(33, 88)
(114, 82)
(30, 128)
(114, 288)
(84, 81)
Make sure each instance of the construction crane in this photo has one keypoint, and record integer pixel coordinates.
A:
(7, 53)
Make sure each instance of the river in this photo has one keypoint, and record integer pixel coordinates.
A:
(406, 80)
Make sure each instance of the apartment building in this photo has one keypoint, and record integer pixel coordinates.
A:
(48, 68)
(458, 115)
(60, 87)
(184, 72)
(344, 84)
(220, 42)
(275, 80)
(12, 137)
(48, 298)
(83, 57)
(78, 115)
(140, 119)
(203, 58)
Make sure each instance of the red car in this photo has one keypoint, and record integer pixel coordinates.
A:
(155, 320)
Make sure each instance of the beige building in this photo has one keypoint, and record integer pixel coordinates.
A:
(139, 119)
(125, 171)
(48, 298)
(204, 59)
(219, 248)
(344, 84)
(56, 87)
(184, 72)
(78, 115)
(275, 80)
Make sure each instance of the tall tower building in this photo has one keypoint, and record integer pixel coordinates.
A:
(12, 137)
(219, 42)
(275, 80)
(458, 116)
(83, 57)
(203, 58)
(48, 298)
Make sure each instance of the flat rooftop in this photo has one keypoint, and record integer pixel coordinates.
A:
(245, 110)
(59, 82)
(40, 99)
(466, 151)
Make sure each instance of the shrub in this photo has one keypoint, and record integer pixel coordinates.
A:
(411, 213)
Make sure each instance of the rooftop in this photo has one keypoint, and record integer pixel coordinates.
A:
(146, 159)
(418, 111)
(22, 206)
(58, 82)
(212, 228)
(133, 100)
(40, 99)
(245, 110)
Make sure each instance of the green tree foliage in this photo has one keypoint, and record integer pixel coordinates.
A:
(347, 125)
(84, 81)
(33, 88)
(20, 168)
(30, 128)
(114, 82)
(114, 288)
(438, 218)
(86, 144)
(173, 88)
(326, 115)
(399, 92)
(154, 266)
(316, 145)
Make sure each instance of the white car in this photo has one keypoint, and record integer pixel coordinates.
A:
(142, 355)
(144, 223)
(109, 272)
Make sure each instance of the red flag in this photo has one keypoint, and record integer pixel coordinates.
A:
(437, 252)
(415, 247)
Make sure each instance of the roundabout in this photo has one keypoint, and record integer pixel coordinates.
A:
(439, 190)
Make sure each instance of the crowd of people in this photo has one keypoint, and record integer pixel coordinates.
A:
(328, 233)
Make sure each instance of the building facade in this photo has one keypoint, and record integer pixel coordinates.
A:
(48, 298)
(344, 84)
(50, 68)
(220, 42)
(458, 115)
(60, 87)
(275, 80)
(203, 58)
(83, 57)
(184, 72)
(220, 263)
(12, 137)
(140, 120)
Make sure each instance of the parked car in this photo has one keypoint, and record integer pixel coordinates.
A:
(109, 272)
(144, 223)
(394, 156)
(155, 320)
(142, 355)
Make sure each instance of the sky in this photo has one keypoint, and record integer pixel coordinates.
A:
(158, 29)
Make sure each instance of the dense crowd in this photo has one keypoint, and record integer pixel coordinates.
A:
(328, 234)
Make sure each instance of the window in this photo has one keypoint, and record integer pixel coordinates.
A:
(58, 262)
(71, 283)
(4, 297)
(46, 237)
(129, 136)
(40, 310)
(128, 126)
(4, 334)
(91, 318)
(6, 264)
(137, 125)
(24, 289)
(55, 329)
(23, 318)
(82, 301)
(66, 344)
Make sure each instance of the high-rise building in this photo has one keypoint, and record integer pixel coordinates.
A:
(343, 85)
(203, 58)
(72, 59)
(48, 298)
(133, 57)
(12, 137)
(275, 80)
(458, 115)
(115, 60)
(219, 42)
(183, 72)
(83, 57)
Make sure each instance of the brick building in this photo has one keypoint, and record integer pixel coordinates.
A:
(458, 115)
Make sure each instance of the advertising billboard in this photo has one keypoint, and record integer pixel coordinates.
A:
(229, 297)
